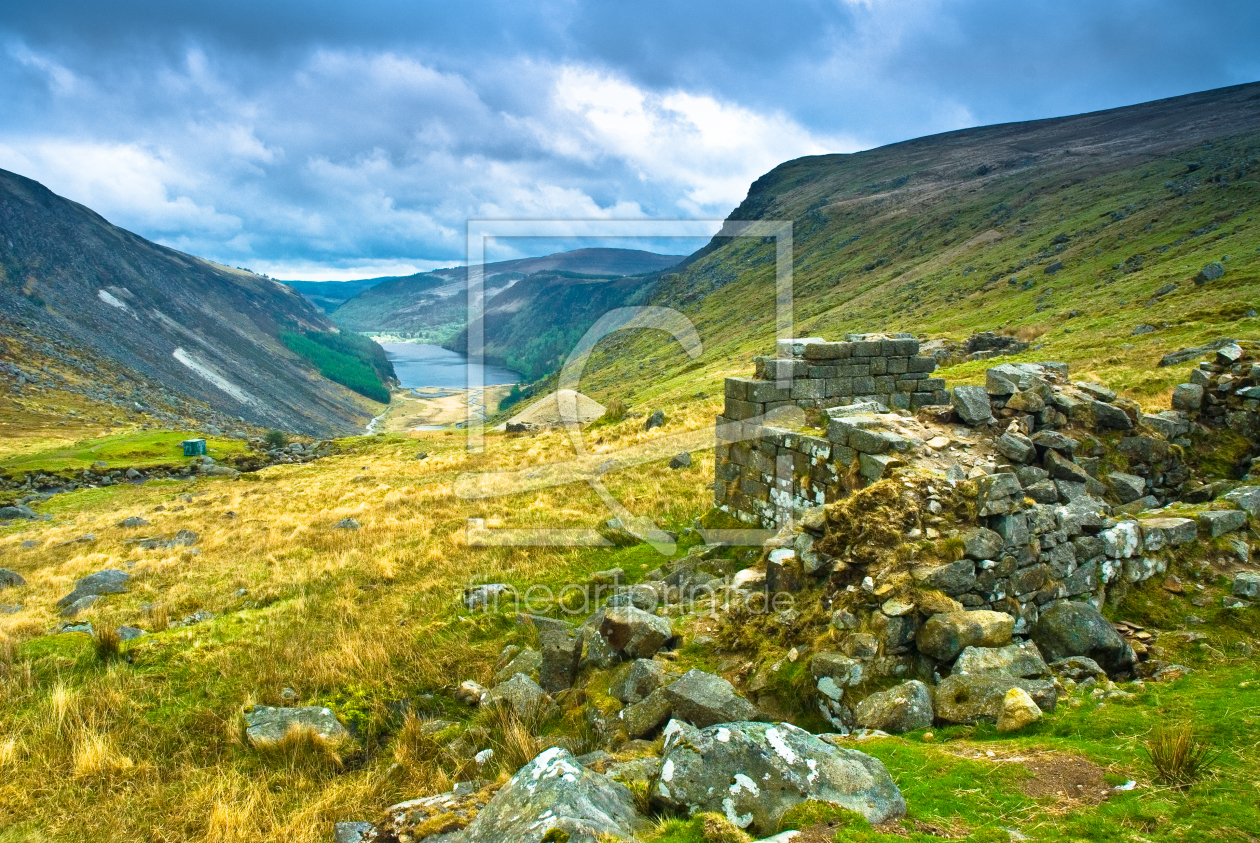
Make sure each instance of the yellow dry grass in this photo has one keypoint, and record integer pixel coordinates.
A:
(150, 746)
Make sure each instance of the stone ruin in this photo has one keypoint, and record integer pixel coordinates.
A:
(1000, 501)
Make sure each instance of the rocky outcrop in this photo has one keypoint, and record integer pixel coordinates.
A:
(752, 773)
(1079, 629)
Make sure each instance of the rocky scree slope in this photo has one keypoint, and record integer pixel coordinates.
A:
(202, 330)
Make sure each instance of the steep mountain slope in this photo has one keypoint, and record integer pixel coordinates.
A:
(85, 291)
(1085, 233)
(431, 305)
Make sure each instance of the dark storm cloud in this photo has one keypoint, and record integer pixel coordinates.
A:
(300, 138)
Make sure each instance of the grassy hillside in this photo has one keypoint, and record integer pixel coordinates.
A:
(368, 622)
(1072, 232)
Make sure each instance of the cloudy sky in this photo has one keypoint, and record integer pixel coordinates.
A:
(310, 139)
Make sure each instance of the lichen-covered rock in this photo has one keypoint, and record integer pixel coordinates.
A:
(970, 698)
(979, 543)
(634, 632)
(752, 773)
(553, 798)
(943, 637)
(1018, 710)
(1018, 659)
(1219, 522)
(266, 726)
(901, 709)
(1078, 629)
(704, 699)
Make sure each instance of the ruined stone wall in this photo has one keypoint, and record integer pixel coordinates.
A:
(765, 470)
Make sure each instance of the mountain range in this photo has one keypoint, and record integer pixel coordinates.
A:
(78, 293)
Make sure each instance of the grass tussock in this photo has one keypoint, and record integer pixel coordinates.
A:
(1179, 754)
(107, 643)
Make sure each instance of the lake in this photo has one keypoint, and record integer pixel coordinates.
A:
(419, 365)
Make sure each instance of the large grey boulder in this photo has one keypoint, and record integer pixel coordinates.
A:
(1078, 629)
(1019, 659)
(636, 680)
(704, 699)
(1246, 584)
(13, 513)
(109, 581)
(521, 694)
(972, 404)
(634, 632)
(752, 773)
(970, 698)
(901, 709)
(554, 798)
(10, 579)
(944, 636)
(266, 726)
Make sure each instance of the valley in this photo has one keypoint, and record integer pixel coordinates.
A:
(839, 565)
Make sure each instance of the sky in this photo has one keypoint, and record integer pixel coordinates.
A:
(329, 141)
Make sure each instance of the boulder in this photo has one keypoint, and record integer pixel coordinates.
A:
(109, 581)
(1219, 522)
(10, 579)
(1160, 533)
(554, 798)
(351, 832)
(979, 543)
(704, 699)
(657, 419)
(133, 521)
(1078, 669)
(1126, 487)
(523, 695)
(346, 524)
(1018, 710)
(1247, 584)
(955, 578)
(266, 726)
(1017, 448)
(753, 773)
(1246, 498)
(561, 654)
(527, 661)
(1187, 397)
(646, 716)
(970, 698)
(636, 680)
(634, 632)
(13, 513)
(944, 636)
(972, 404)
(486, 596)
(1062, 468)
(1078, 629)
(682, 460)
(904, 708)
(1020, 659)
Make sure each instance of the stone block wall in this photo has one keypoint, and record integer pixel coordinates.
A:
(765, 469)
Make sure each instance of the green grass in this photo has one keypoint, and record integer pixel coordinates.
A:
(138, 449)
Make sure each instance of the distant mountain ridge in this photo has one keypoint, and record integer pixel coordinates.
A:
(431, 305)
(199, 329)
(330, 295)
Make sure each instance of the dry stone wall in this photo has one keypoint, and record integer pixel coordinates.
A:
(766, 471)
